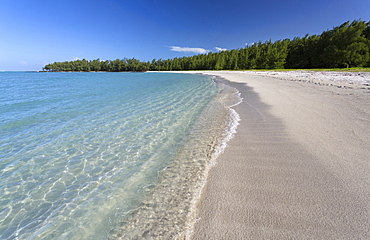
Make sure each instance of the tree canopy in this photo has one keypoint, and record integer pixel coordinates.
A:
(347, 45)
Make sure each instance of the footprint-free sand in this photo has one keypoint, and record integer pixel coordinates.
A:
(298, 166)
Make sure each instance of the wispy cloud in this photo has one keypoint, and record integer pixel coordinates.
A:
(218, 49)
(23, 62)
(75, 59)
(188, 49)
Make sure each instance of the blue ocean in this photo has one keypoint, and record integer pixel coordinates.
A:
(107, 155)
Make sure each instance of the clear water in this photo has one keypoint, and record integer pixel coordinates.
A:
(106, 155)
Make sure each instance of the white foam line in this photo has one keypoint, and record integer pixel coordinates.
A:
(230, 132)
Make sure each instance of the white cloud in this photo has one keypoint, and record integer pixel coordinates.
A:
(249, 44)
(218, 49)
(23, 62)
(75, 59)
(188, 49)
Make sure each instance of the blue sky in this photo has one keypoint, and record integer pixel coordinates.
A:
(36, 32)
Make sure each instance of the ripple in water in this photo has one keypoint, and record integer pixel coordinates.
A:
(106, 155)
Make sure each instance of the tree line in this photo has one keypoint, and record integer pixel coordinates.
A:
(347, 45)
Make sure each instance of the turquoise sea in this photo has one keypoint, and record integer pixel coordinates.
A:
(107, 155)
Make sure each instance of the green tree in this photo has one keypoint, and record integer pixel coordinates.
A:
(346, 45)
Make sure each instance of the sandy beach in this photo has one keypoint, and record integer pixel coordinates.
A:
(298, 166)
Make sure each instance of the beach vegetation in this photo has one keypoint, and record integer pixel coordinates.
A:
(344, 46)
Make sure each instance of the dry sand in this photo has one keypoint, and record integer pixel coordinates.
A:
(298, 166)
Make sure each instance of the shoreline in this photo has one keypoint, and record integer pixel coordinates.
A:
(168, 211)
(297, 166)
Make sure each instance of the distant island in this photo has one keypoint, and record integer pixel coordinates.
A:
(347, 45)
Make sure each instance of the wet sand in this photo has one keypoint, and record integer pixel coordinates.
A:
(298, 166)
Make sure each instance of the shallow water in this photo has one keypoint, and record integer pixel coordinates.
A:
(96, 155)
